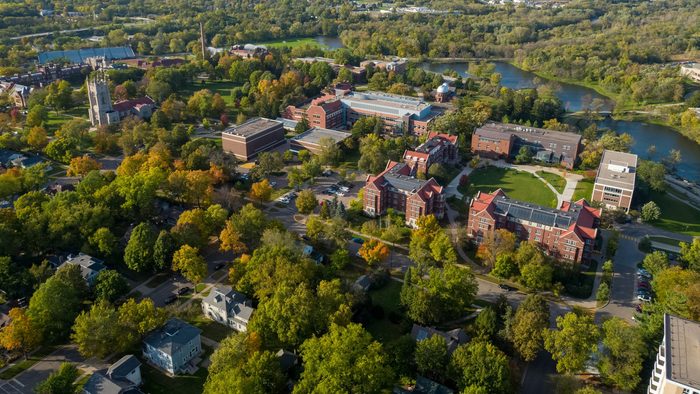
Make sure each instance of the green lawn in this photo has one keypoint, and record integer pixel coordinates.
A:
(665, 240)
(23, 365)
(222, 87)
(584, 189)
(388, 297)
(557, 181)
(156, 382)
(517, 185)
(675, 215)
(291, 43)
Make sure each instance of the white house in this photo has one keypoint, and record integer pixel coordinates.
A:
(228, 307)
(90, 267)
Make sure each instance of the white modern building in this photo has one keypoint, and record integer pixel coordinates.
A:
(677, 366)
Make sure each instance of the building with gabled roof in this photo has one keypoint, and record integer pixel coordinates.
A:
(438, 148)
(122, 377)
(453, 338)
(567, 233)
(396, 188)
(173, 346)
(228, 307)
(90, 267)
(615, 180)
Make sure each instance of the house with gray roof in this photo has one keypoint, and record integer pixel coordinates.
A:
(229, 307)
(453, 338)
(123, 377)
(173, 346)
(424, 386)
(90, 267)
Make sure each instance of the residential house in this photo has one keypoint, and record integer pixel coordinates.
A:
(438, 148)
(173, 346)
(424, 386)
(90, 267)
(504, 141)
(453, 338)
(122, 377)
(568, 233)
(396, 188)
(228, 307)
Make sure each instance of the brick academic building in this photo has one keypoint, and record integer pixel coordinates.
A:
(248, 139)
(567, 233)
(503, 141)
(396, 188)
(438, 148)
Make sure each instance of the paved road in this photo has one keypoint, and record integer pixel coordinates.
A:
(537, 378)
(623, 298)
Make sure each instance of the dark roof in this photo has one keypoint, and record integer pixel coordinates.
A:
(536, 213)
(287, 359)
(126, 105)
(403, 182)
(425, 386)
(123, 367)
(99, 383)
(172, 336)
(80, 55)
(453, 338)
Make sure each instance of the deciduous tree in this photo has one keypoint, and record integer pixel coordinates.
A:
(622, 355)
(306, 201)
(21, 334)
(261, 191)
(482, 365)
(572, 343)
(373, 251)
(190, 264)
(531, 318)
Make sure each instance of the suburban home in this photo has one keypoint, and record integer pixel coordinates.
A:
(287, 359)
(228, 307)
(90, 267)
(173, 346)
(123, 377)
(453, 338)
(567, 233)
(424, 386)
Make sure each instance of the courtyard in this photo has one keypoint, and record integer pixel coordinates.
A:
(518, 185)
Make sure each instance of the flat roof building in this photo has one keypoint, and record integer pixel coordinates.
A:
(248, 139)
(312, 138)
(691, 70)
(504, 140)
(400, 114)
(615, 180)
(677, 366)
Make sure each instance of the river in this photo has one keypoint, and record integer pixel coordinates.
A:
(577, 98)
(329, 42)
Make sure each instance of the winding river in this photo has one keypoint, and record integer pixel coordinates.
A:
(577, 98)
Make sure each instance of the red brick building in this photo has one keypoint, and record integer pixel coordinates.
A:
(503, 141)
(567, 233)
(325, 112)
(396, 188)
(439, 148)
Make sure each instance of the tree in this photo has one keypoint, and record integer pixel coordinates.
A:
(677, 291)
(138, 254)
(249, 223)
(80, 166)
(261, 191)
(306, 201)
(655, 262)
(572, 343)
(480, 364)
(36, 116)
(505, 267)
(531, 318)
(429, 243)
(190, 264)
(110, 285)
(163, 249)
(443, 295)
(650, 212)
(260, 373)
(431, 356)
(328, 153)
(345, 360)
(21, 334)
(37, 138)
(486, 323)
(373, 251)
(500, 243)
(302, 125)
(61, 381)
(653, 174)
(438, 171)
(136, 319)
(524, 155)
(537, 276)
(690, 254)
(622, 355)
(55, 304)
(104, 241)
(287, 317)
(59, 95)
(97, 332)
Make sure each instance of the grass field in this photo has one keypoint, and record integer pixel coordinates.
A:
(55, 120)
(156, 382)
(517, 185)
(584, 188)
(557, 181)
(222, 87)
(291, 43)
(388, 298)
(675, 215)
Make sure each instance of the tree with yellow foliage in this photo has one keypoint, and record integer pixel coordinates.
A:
(261, 191)
(21, 334)
(80, 166)
(373, 251)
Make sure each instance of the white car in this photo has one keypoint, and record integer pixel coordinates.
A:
(344, 189)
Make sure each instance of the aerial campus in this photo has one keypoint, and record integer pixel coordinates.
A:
(350, 197)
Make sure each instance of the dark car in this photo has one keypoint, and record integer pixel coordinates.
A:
(643, 285)
(219, 266)
(506, 287)
(183, 290)
(358, 240)
(170, 299)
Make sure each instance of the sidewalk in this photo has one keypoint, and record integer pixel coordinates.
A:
(571, 179)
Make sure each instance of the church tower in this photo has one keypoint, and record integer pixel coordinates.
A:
(101, 112)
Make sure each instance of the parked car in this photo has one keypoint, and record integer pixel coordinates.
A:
(644, 297)
(358, 240)
(170, 299)
(505, 287)
(642, 271)
(219, 266)
(643, 285)
(327, 172)
(183, 290)
(273, 183)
